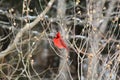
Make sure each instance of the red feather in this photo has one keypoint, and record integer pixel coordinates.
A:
(58, 41)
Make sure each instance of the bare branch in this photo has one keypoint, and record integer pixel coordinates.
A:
(25, 28)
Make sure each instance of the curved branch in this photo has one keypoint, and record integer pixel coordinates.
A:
(26, 28)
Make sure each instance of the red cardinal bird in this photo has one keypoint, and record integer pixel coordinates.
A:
(58, 41)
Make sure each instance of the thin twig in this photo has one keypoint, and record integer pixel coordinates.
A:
(26, 28)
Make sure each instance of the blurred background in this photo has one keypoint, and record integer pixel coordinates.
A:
(90, 29)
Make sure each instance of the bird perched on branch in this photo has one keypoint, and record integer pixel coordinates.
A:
(59, 42)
